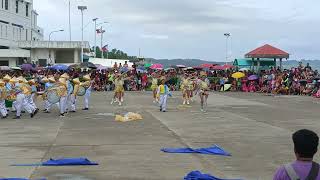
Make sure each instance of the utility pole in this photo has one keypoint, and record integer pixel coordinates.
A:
(227, 35)
(95, 36)
(69, 21)
(82, 8)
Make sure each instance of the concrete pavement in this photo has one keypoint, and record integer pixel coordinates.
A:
(255, 128)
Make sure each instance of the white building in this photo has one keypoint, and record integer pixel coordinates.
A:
(22, 40)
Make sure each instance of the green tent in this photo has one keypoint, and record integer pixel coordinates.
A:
(147, 65)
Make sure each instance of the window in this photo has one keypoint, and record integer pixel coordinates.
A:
(6, 4)
(26, 34)
(2, 4)
(4, 63)
(20, 34)
(27, 10)
(17, 6)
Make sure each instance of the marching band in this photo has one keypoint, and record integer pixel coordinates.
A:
(19, 94)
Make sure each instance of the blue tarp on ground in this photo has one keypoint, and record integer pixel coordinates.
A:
(63, 162)
(213, 150)
(197, 175)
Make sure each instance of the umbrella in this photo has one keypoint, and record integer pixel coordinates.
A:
(244, 69)
(100, 67)
(88, 65)
(157, 66)
(147, 65)
(227, 66)
(74, 66)
(60, 67)
(217, 67)
(180, 66)
(206, 66)
(16, 68)
(317, 78)
(4, 68)
(253, 77)
(26, 67)
(238, 75)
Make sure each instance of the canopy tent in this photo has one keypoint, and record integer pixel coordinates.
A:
(248, 63)
(267, 51)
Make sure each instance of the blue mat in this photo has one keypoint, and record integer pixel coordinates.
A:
(213, 150)
(197, 175)
(63, 162)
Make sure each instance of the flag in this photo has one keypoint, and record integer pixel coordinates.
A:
(99, 31)
(105, 48)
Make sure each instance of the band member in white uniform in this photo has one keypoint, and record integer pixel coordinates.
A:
(88, 85)
(3, 95)
(62, 92)
(74, 94)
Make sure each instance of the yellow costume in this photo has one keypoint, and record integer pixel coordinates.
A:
(154, 84)
(185, 84)
(118, 82)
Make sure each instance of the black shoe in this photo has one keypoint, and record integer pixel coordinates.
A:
(3, 117)
(72, 111)
(164, 111)
(160, 109)
(36, 111)
(14, 111)
(32, 115)
(46, 111)
(85, 109)
(62, 115)
(23, 112)
(17, 117)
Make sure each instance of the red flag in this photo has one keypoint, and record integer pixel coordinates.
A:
(105, 48)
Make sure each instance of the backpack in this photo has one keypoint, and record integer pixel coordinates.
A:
(313, 174)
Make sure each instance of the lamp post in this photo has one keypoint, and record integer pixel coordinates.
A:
(82, 8)
(95, 36)
(69, 21)
(227, 35)
(54, 32)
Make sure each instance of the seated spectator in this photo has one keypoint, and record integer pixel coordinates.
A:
(305, 147)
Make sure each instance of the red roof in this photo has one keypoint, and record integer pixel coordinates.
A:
(267, 51)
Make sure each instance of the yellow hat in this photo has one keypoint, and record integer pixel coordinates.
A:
(65, 75)
(51, 79)
(45, 79)
(7, 78)
(76, 81)
(87, 77)
(31, 81)
(14, 80)
(21, 79)
(2, 82)
(63, 81)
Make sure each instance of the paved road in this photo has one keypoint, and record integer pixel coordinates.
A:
(255, 128)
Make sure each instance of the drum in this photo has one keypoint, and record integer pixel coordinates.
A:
(82, 91)
(53, 96)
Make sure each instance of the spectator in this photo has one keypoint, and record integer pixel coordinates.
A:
(305, 147)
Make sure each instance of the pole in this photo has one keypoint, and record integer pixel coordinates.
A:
(102, 55)
(82, 36)
(69, 21)
(95, 38)
(226, 48)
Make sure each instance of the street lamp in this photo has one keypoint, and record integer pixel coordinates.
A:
(82, 8)
(227, 35)
(54, 32)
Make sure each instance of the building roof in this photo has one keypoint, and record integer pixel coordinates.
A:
(267, 51)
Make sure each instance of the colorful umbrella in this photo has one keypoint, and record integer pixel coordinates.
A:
(218, 67)
(26, 67)
(238, 75)
(253, 77)
(181, 66)
(4, 68)
(16, 68)
(60, 67)
(147, 65)
(206, 66)
(157, 66)
(88, 65)
(228, 66)
(244, 69)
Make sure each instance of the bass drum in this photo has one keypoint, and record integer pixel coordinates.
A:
(53, 96)
(82, 91)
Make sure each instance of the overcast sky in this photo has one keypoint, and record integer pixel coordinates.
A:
(191, 28)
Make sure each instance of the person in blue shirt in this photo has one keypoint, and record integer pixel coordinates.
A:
(163, 93)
